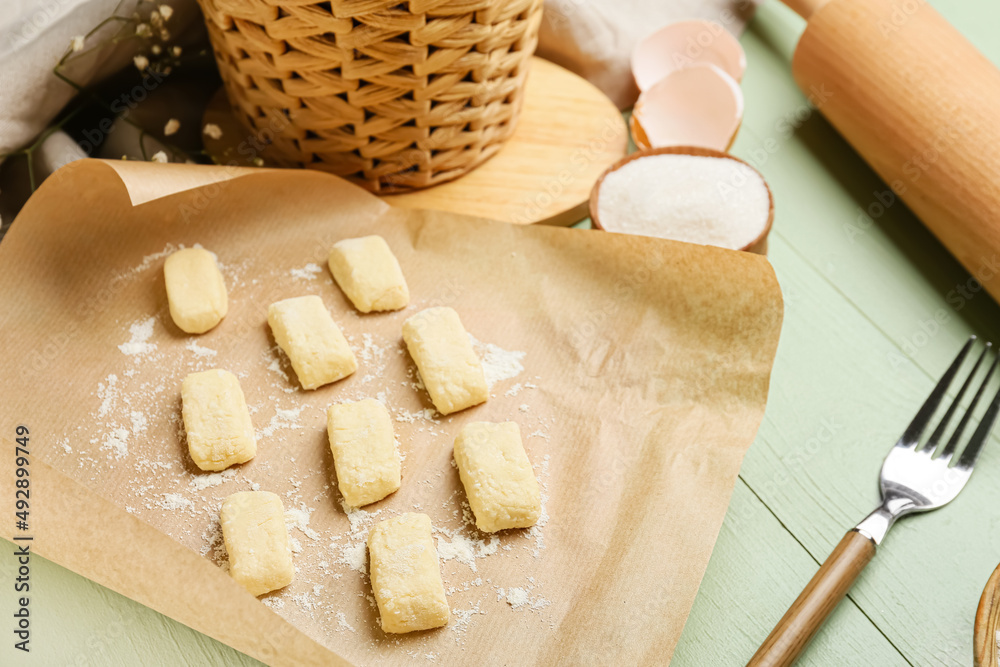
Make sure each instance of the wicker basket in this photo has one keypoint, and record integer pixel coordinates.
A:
(392, 96)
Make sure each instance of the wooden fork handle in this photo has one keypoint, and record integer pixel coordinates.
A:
(826, 589)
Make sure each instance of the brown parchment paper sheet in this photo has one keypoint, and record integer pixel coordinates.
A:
(643, 380)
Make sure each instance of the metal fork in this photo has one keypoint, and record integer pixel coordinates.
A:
(914, 479)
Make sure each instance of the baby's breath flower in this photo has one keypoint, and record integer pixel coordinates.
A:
(159, 156)
(166, 11)
(156, 49)
(212, 131)
(76, 44)
(176, 51)
(258, 161)
(141, 63)
(171, 127)
(143, 30)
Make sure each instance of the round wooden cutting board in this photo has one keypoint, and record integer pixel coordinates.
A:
(986, 642)
(567, 135)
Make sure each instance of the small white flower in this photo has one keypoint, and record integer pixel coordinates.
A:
(159, 156)
(166, 11)
(143, 30)
(171, 127)
(212, 131)
(141, 63)
(156, 49)
(76, 44)
(258, 162)
(176, 51)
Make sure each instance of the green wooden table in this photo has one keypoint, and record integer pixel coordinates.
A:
(875, 309)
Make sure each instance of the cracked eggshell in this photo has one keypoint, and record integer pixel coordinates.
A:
(685, 44)
(696, 106)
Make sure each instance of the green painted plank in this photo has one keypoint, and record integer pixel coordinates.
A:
(849, 378)
(80, 623)
(755, 567)
(835, 407)
(843, 219)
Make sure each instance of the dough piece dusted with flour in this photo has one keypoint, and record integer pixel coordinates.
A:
(448, 365)
(364, 451)
(302, 326)
(369, 274)
(216, 420)
(253, 528)
(196, 291)
(497, 476)
(406, 575)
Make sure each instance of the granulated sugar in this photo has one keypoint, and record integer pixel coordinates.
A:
(707, 200)
(141, 331)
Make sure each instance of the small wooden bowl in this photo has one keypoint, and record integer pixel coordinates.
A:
(984, 637)
(758, 245)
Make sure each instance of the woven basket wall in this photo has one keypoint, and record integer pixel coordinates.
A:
(391, 95)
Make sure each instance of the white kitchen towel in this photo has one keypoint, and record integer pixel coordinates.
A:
(594, 38)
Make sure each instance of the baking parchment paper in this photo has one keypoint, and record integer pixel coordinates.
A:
(637, 369)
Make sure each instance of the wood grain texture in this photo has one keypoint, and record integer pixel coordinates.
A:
(568, 133)
(756, 569)
(985, 641)
(875, 311)
(818, 599)
(919, 102)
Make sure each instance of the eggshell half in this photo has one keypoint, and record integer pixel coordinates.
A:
(684, 44)
(700, 105)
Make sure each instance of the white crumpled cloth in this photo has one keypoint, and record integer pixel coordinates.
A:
(594, 38)
(34, 35)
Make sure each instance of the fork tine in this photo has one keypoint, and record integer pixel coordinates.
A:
(935, 438)
(982, 434)
(956, 437)
(913, 432)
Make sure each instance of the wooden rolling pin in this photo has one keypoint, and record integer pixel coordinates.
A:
(922, 106)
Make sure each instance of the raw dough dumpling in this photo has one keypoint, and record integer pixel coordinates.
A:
(253, 528)
(319, 353)
(448, 365)
(369, 274)
(196, 291)
(497, 476)
(217, 420)
(406, 575)
(364, 451)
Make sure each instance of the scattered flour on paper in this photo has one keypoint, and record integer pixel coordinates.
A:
(132, 405)
(466, 550)
(308, 272)
(342, 623)
(202, 482)
(141, 331)
(282, 419)
(498, 364)
(298, 518)
(199, 351)
(174, 501)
